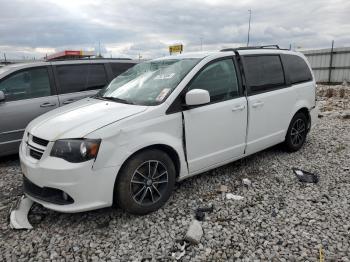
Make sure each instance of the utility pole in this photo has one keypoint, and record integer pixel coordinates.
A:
(99, 48)
(201, 43)
(250, 17)
(5, 57)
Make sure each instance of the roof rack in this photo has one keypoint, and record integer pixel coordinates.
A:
(253, 47)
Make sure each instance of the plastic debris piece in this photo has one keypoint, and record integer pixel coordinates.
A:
(194, 232)
(247, 182)
(305, 177)
(19, 214)
(199, 215)
(200, 212)
(230, 196)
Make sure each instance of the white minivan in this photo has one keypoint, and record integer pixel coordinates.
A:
(165, 120)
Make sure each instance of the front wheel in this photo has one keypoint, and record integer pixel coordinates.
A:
(296, 134)
(145, 182)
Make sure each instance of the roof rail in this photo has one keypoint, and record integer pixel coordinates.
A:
(253, 47)
(87, 58)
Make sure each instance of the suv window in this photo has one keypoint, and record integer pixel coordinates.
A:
(297, 69)
(26, 84)
(77, 78)
(219, 79)
(263, 72)
(118, 68)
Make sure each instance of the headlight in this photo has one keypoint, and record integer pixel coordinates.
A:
(76, 150)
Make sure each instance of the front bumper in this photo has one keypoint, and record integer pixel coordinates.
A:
(48, 178)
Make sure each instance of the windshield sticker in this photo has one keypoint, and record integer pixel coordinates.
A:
(164, 76)
(162, 94)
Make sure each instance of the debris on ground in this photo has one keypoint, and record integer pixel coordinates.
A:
(19, 214)
(222, 189)
(194, 232)
(247, 182)
(305, 177)
(230, 196)
(200, 212)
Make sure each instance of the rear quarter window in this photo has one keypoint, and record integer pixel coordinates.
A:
(297, 69)
(263, 73)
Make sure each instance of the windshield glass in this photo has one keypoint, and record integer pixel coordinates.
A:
(148, 83)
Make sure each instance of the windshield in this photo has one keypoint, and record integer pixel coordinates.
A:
(148, 83)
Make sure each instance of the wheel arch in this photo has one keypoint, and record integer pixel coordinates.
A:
(170, 151)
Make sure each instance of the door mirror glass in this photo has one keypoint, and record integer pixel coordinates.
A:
(197, 97)
(2, 96)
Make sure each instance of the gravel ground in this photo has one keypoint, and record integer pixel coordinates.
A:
(279, 219)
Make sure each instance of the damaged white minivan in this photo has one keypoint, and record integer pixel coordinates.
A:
(163, 121)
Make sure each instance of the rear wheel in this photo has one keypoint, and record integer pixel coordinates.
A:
(146, 182)
(296, 134)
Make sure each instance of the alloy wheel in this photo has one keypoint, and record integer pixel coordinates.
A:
(298, 132)
(149, 182)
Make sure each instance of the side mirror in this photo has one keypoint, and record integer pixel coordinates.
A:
(2, 96)
(197, 97)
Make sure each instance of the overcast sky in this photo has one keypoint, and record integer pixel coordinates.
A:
(127, 28)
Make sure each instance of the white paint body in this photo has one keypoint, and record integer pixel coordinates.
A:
(215, 134)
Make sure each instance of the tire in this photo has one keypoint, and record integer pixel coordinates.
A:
(297, 132)
(145, 182)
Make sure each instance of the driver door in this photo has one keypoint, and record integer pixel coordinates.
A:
(216, 132)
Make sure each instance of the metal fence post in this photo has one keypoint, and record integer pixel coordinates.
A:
(330, 64)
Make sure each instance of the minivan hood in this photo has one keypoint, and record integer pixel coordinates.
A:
(80, 118)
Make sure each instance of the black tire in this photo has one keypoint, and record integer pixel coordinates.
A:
(297, 132)
(153, 167)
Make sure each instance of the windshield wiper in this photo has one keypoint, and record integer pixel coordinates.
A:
(115, 99)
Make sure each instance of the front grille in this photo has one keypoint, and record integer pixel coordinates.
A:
(40, 141)
(47, 194)
(35, 154)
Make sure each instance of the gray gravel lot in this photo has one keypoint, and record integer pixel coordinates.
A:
(279, 218)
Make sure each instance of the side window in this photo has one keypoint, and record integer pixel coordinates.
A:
(219, 79)
(297, 69)
(72, 78)
(263, 73)
(118, 68)
(26, 84)
(97, 77)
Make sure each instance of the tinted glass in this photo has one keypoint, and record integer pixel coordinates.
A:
(219, 79)
(297, 69)
(77, 78)
(26, 84)
(118, 68)
(97, 78)
(263, 73)
(72, 78)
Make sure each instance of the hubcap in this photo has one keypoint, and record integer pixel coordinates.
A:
(298, 132)
(149, 182)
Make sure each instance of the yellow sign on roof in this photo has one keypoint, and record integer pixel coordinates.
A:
(176, 48)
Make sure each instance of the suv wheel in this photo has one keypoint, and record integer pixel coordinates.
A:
(145, 182)
(296, 134)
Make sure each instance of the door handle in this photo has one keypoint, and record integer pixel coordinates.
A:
(47, 104)
(258, 104)
(238, 108)
(69, 101)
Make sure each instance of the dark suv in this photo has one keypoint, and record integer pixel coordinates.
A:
(29, 90)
